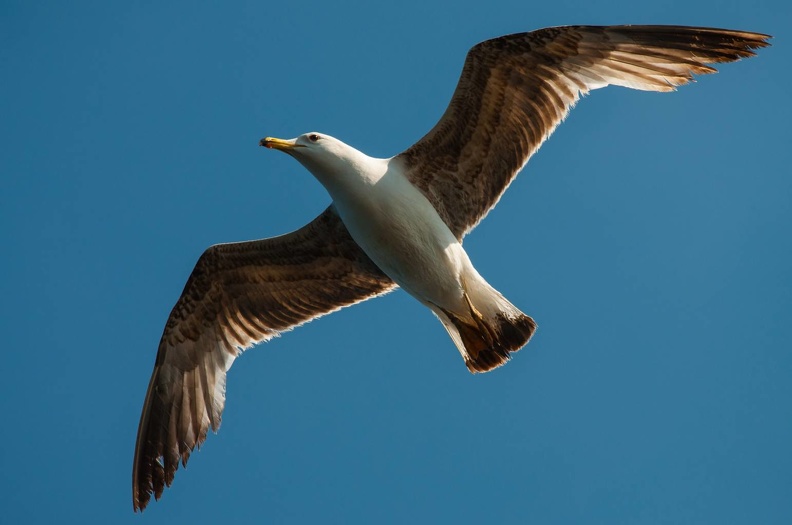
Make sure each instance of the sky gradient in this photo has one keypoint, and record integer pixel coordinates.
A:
(649, 238)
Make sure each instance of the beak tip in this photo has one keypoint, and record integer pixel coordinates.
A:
(263, 142)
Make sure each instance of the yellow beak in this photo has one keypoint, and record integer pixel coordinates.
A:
(280, 144)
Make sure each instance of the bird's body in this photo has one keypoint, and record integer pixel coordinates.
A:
(401, 231)
(400, 222)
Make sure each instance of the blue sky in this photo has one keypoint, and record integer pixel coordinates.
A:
(649, 238)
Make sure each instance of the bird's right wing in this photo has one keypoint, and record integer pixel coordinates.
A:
(239, 294)
(514, 91)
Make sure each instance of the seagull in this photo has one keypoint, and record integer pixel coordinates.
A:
(400, 222)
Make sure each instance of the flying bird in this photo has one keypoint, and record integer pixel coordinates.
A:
(399, 222)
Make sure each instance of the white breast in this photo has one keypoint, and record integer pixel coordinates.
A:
(403, 234)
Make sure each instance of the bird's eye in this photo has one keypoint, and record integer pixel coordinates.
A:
(313, 137)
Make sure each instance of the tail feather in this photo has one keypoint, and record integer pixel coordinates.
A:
(485, 343)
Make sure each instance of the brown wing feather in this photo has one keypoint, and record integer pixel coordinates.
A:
(238, 295)
(514, 90)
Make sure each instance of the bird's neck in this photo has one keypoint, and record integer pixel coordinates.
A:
(350, 174)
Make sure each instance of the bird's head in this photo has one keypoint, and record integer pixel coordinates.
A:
(331, 161)
(316, 151)
(312, 141)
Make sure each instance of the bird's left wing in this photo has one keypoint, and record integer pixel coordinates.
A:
(238, 295)
(514, 91)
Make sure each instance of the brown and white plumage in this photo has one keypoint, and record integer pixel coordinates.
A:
(239, 294)
(513, 92)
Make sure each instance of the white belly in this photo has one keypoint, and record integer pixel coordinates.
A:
(402, 233)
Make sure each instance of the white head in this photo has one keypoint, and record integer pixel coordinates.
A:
(335, 164)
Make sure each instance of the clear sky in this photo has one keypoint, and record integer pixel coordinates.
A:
(649, 238)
